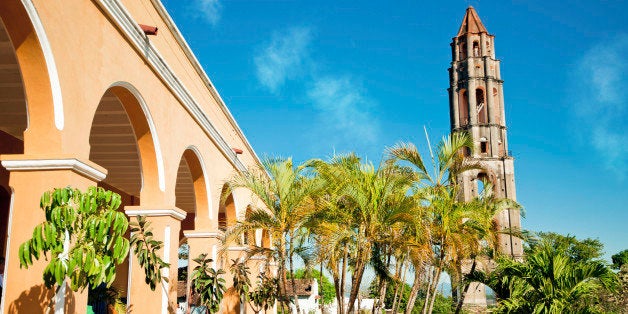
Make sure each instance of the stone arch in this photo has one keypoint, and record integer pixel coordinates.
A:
(250, 237)
(485, 176)
(227, 209)
(266, 239)
(27, 89)
(192, 191)
(150, 139)
(462, 51)
(30, 66)
(476, 48)
(13, 124)
(123, 140)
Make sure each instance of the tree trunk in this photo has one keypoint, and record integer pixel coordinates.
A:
(294, 286)
(337, 288)
(398, 270)
(343, 279)
(465, 290)
(428, 291)
(383, 286)
(414, 293)
(355, 284)
(320, 286)
(402, 284)
(282, 273)
(435, 287)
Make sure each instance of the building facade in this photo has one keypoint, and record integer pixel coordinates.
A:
(476, 106)
(108, 93)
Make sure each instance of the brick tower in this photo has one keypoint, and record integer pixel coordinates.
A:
(476, 105)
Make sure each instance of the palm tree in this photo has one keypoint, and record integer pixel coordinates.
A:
(286, 196)
(368, 200)
(438, 193)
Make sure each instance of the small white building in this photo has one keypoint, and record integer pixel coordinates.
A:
(307, 292)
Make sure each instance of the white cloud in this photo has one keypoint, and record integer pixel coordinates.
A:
(283, 58)
(209, 10)
(344, 109)
(601, 101)
(342, 105)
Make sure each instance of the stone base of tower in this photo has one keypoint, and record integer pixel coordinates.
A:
(475, 299)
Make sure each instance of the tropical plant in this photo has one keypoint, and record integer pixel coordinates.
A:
(207, 284)
(285, 192)
(548, 281)
(146, 249)
(263, 297)
(241, 280)
(576, 249)
(366, 201)
(442, 215)
(84, 234)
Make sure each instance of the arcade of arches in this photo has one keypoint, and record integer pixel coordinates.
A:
(86, 98)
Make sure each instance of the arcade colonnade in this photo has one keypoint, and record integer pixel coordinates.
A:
(87, 98)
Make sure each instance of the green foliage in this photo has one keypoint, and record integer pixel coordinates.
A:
(620, 259)
(390, 294)
(285, 193)
(146, 249)
(84, 235)
(442, 304)
(207, 284)
(578, 250)
(548, 281)
(241, 281)
(265, 295)
(325, 289)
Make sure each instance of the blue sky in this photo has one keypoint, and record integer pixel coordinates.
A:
(307, 78)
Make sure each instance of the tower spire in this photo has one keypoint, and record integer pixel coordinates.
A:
(471, 23)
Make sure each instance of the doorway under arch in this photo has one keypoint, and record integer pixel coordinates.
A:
(120, 141)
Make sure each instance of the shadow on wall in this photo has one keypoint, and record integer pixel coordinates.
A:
(39, 299)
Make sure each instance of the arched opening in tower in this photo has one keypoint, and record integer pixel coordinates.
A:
(463, 107)
(481, 106)
(462, 52)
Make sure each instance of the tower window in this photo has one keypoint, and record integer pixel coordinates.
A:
(463, 51)
(463, 108)
(481, 105)
(484, 147)
(476, 49)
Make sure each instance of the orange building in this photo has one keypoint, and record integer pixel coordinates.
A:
(89, 97)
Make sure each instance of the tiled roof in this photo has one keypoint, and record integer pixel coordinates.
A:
(304, 286)
(471, 23)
